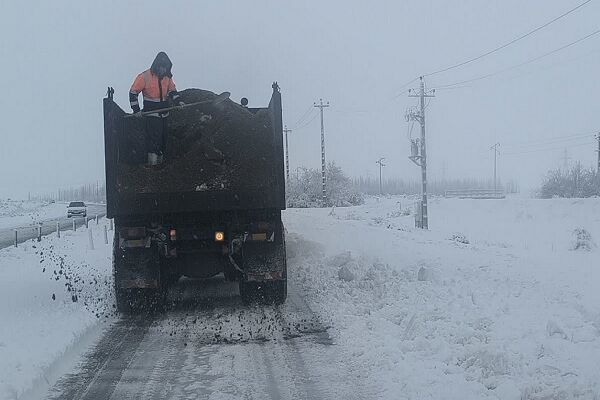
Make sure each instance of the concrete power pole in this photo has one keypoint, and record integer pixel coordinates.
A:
(287, 155)
(321, 106)
(496, 151)
(421, 159)
(381, 165)
(598, 151)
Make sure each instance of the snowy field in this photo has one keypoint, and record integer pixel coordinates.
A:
(492, 303)
(15, 213)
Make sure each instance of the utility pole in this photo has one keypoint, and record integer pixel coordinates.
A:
(421, 159)
(381, 165)
(598, 151)
(287, 155)
(496, 151)
(321, 106)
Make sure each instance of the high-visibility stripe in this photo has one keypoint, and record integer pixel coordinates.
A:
(134, 103)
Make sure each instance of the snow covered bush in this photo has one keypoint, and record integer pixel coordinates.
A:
(305, 189)
(576, 182)
(582, 240)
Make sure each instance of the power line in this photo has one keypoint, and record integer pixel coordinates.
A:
(548, 141)
(521, 64)
(460, 64)
(546, 149)
(308, 122)
(304, 115)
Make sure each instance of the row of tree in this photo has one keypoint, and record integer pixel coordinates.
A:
(576, 181)
(93, 192)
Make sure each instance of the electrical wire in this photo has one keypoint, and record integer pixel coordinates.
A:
(404, 86)
(307, 123)
(548, 141)
(304, 115)
(521, 64)
(460, 64)
(547, 149)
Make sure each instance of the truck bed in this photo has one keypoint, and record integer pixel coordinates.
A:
(223, 157)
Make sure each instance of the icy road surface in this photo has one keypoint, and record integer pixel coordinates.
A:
(208, 345)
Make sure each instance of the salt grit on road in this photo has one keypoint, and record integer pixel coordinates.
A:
(499, 300)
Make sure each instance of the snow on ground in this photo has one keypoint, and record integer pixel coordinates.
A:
(491, 303)
(53, 295)
(15, 213)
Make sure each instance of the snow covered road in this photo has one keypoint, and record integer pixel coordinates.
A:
(210, 346)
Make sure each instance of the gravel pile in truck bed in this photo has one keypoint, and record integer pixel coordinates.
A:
(208, 147)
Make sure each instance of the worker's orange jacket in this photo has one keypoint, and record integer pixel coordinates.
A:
(154, 90)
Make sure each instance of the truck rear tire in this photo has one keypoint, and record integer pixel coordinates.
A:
(122, 301)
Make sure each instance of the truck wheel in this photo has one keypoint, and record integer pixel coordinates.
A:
(231, 274)
(122, 301)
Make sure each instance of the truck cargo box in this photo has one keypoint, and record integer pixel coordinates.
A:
(217, 157)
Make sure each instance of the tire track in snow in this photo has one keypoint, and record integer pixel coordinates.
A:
(181, 353)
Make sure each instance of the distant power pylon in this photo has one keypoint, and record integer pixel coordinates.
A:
(421, 159)
(321, 106)
(496, 152)
(381, 165)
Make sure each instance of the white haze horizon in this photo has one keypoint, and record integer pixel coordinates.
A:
(63, 55)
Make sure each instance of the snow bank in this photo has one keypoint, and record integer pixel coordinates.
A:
(509, 313)
(51, 294)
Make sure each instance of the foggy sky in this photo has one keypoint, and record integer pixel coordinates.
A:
(57, 58)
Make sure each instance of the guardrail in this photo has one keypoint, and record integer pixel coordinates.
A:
(37, 231)
(475, 194)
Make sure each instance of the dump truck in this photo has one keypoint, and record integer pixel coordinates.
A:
(212, 206)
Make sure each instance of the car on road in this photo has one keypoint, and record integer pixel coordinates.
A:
(76, 209)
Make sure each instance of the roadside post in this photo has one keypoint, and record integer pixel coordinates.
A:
(91, 239)
(16, 238)
(57, 229)
(39, 238)
(86, 222)
(105, 235)
(96, 219)
(74, 226)
(111, 224)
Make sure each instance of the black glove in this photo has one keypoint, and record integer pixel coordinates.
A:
(136, 109)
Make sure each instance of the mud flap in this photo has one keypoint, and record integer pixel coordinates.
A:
(137, 268)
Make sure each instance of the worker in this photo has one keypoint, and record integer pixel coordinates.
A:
(159, 91)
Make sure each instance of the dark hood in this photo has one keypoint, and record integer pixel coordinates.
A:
(162, 59)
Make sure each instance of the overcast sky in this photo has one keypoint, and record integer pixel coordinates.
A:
(57, 58)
